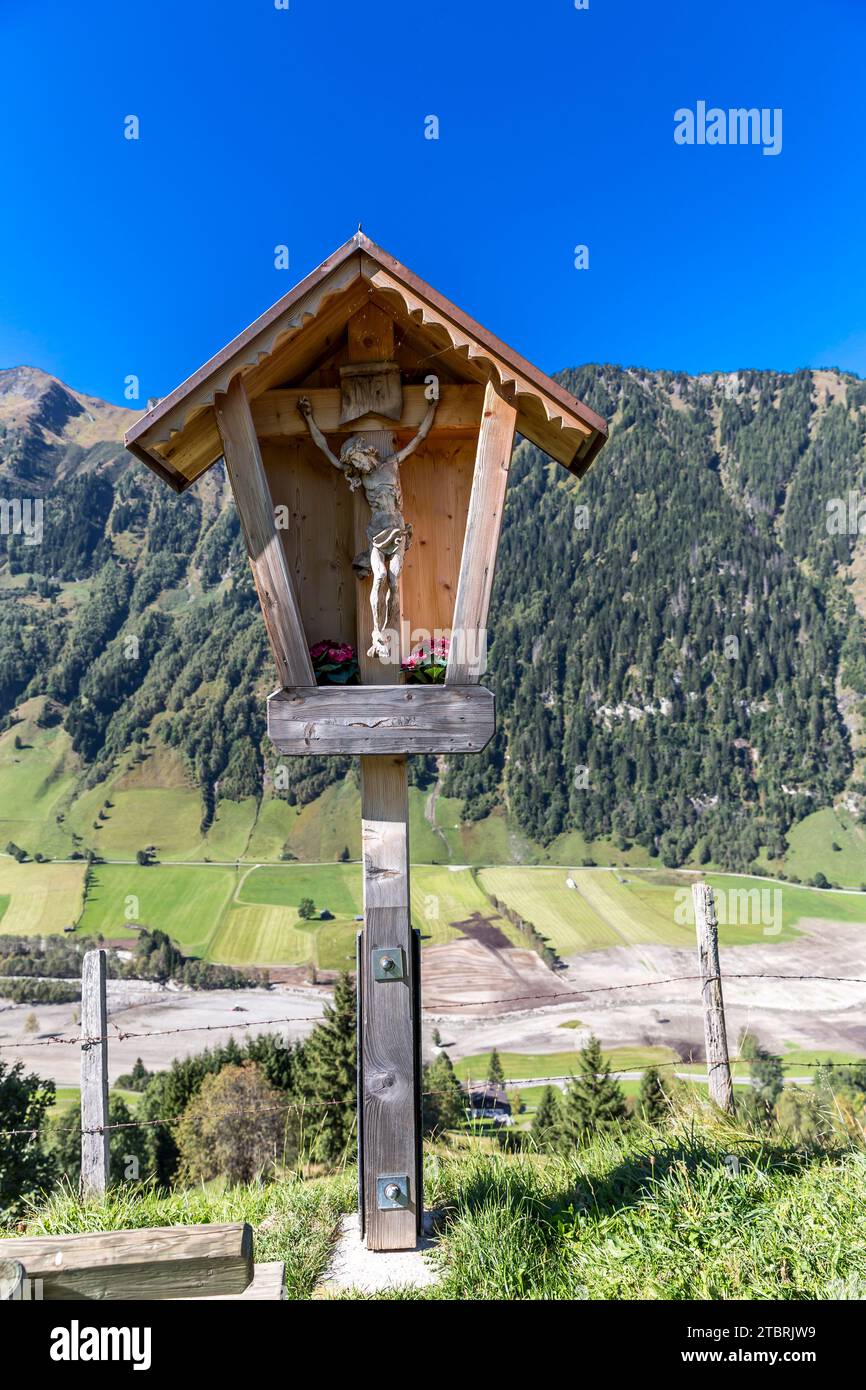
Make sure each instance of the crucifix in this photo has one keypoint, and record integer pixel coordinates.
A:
(377, 471)
(368, 323)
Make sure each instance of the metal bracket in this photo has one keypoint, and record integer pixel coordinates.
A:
(388, 963)
(392, 1191)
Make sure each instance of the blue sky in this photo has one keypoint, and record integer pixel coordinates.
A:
(261, 126)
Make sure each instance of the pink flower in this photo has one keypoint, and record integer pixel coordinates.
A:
(332, 651)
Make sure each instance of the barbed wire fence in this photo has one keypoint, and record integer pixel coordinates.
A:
(311, 1103)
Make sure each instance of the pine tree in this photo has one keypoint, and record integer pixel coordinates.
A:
(495, 1074)
(652, 1101)
(767, 1080)
(329, 1079)
(443, 1102)
(545, 1123)
(593, 1101)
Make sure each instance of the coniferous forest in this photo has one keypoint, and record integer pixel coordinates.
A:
(677, 641)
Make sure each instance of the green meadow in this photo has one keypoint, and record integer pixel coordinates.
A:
(241, 914)
(231, 894)
(248, 914)
(522, 1066)
(580, 910)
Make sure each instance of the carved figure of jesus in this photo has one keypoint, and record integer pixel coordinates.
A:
(388, 534)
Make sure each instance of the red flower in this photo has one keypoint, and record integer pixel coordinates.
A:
(332, 651)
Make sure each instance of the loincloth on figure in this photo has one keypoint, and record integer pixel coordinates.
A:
(394, 537)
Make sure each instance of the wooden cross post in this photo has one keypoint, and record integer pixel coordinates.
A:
(718, 1065)
(389, 1061)
(94, 1075)
(390, 1150)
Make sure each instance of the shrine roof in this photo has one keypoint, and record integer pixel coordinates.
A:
(178, 437)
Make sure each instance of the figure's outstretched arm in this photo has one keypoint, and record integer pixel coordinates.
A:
(426, 426)
(306, 410)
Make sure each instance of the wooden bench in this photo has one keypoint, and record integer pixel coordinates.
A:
(163, 1262)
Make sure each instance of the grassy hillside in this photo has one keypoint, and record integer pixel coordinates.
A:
(831, 842)
(655, 1215)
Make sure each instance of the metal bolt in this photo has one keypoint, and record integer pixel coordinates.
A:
(392, 1191)
(387, 963)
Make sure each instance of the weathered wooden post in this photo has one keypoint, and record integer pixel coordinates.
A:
(316, 409)
(11, 1281)
(94, 1075)
(715, 1034)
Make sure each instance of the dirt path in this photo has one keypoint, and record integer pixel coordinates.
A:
(430, 808)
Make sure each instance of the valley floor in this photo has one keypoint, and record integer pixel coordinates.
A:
(481, 992)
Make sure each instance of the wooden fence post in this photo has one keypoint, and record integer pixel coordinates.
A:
(718, 1065)
(94, 1075)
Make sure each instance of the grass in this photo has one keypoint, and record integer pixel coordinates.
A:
(580, 910)
(657, 1217)
(807, 1059)
(247, 914)
(35, 781)
(68, 1098)
(810, 847)
(40, 898)
(336, 887)
(244, 916)
(264, 935)
(188, 903)
(519, 1066)
(293, 1221)
(167, 817)
(325, 827)
(444, 898)
(623, 907)
(272, 830)
(263, 926)
(648, 1214)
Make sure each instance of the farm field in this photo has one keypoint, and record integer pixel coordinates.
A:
(447, 903)
(640, 907)
(36, 777)
(246, 913)
(40, 898)
(186, 902)
(262, 925)
(68, 1098)
(151, 799)
(249, 915)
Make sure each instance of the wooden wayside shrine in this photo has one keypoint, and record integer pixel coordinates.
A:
(366, 426)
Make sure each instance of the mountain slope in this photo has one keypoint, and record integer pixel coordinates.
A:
(676, 643)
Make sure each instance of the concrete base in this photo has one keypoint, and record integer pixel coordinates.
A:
(354, 1267)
